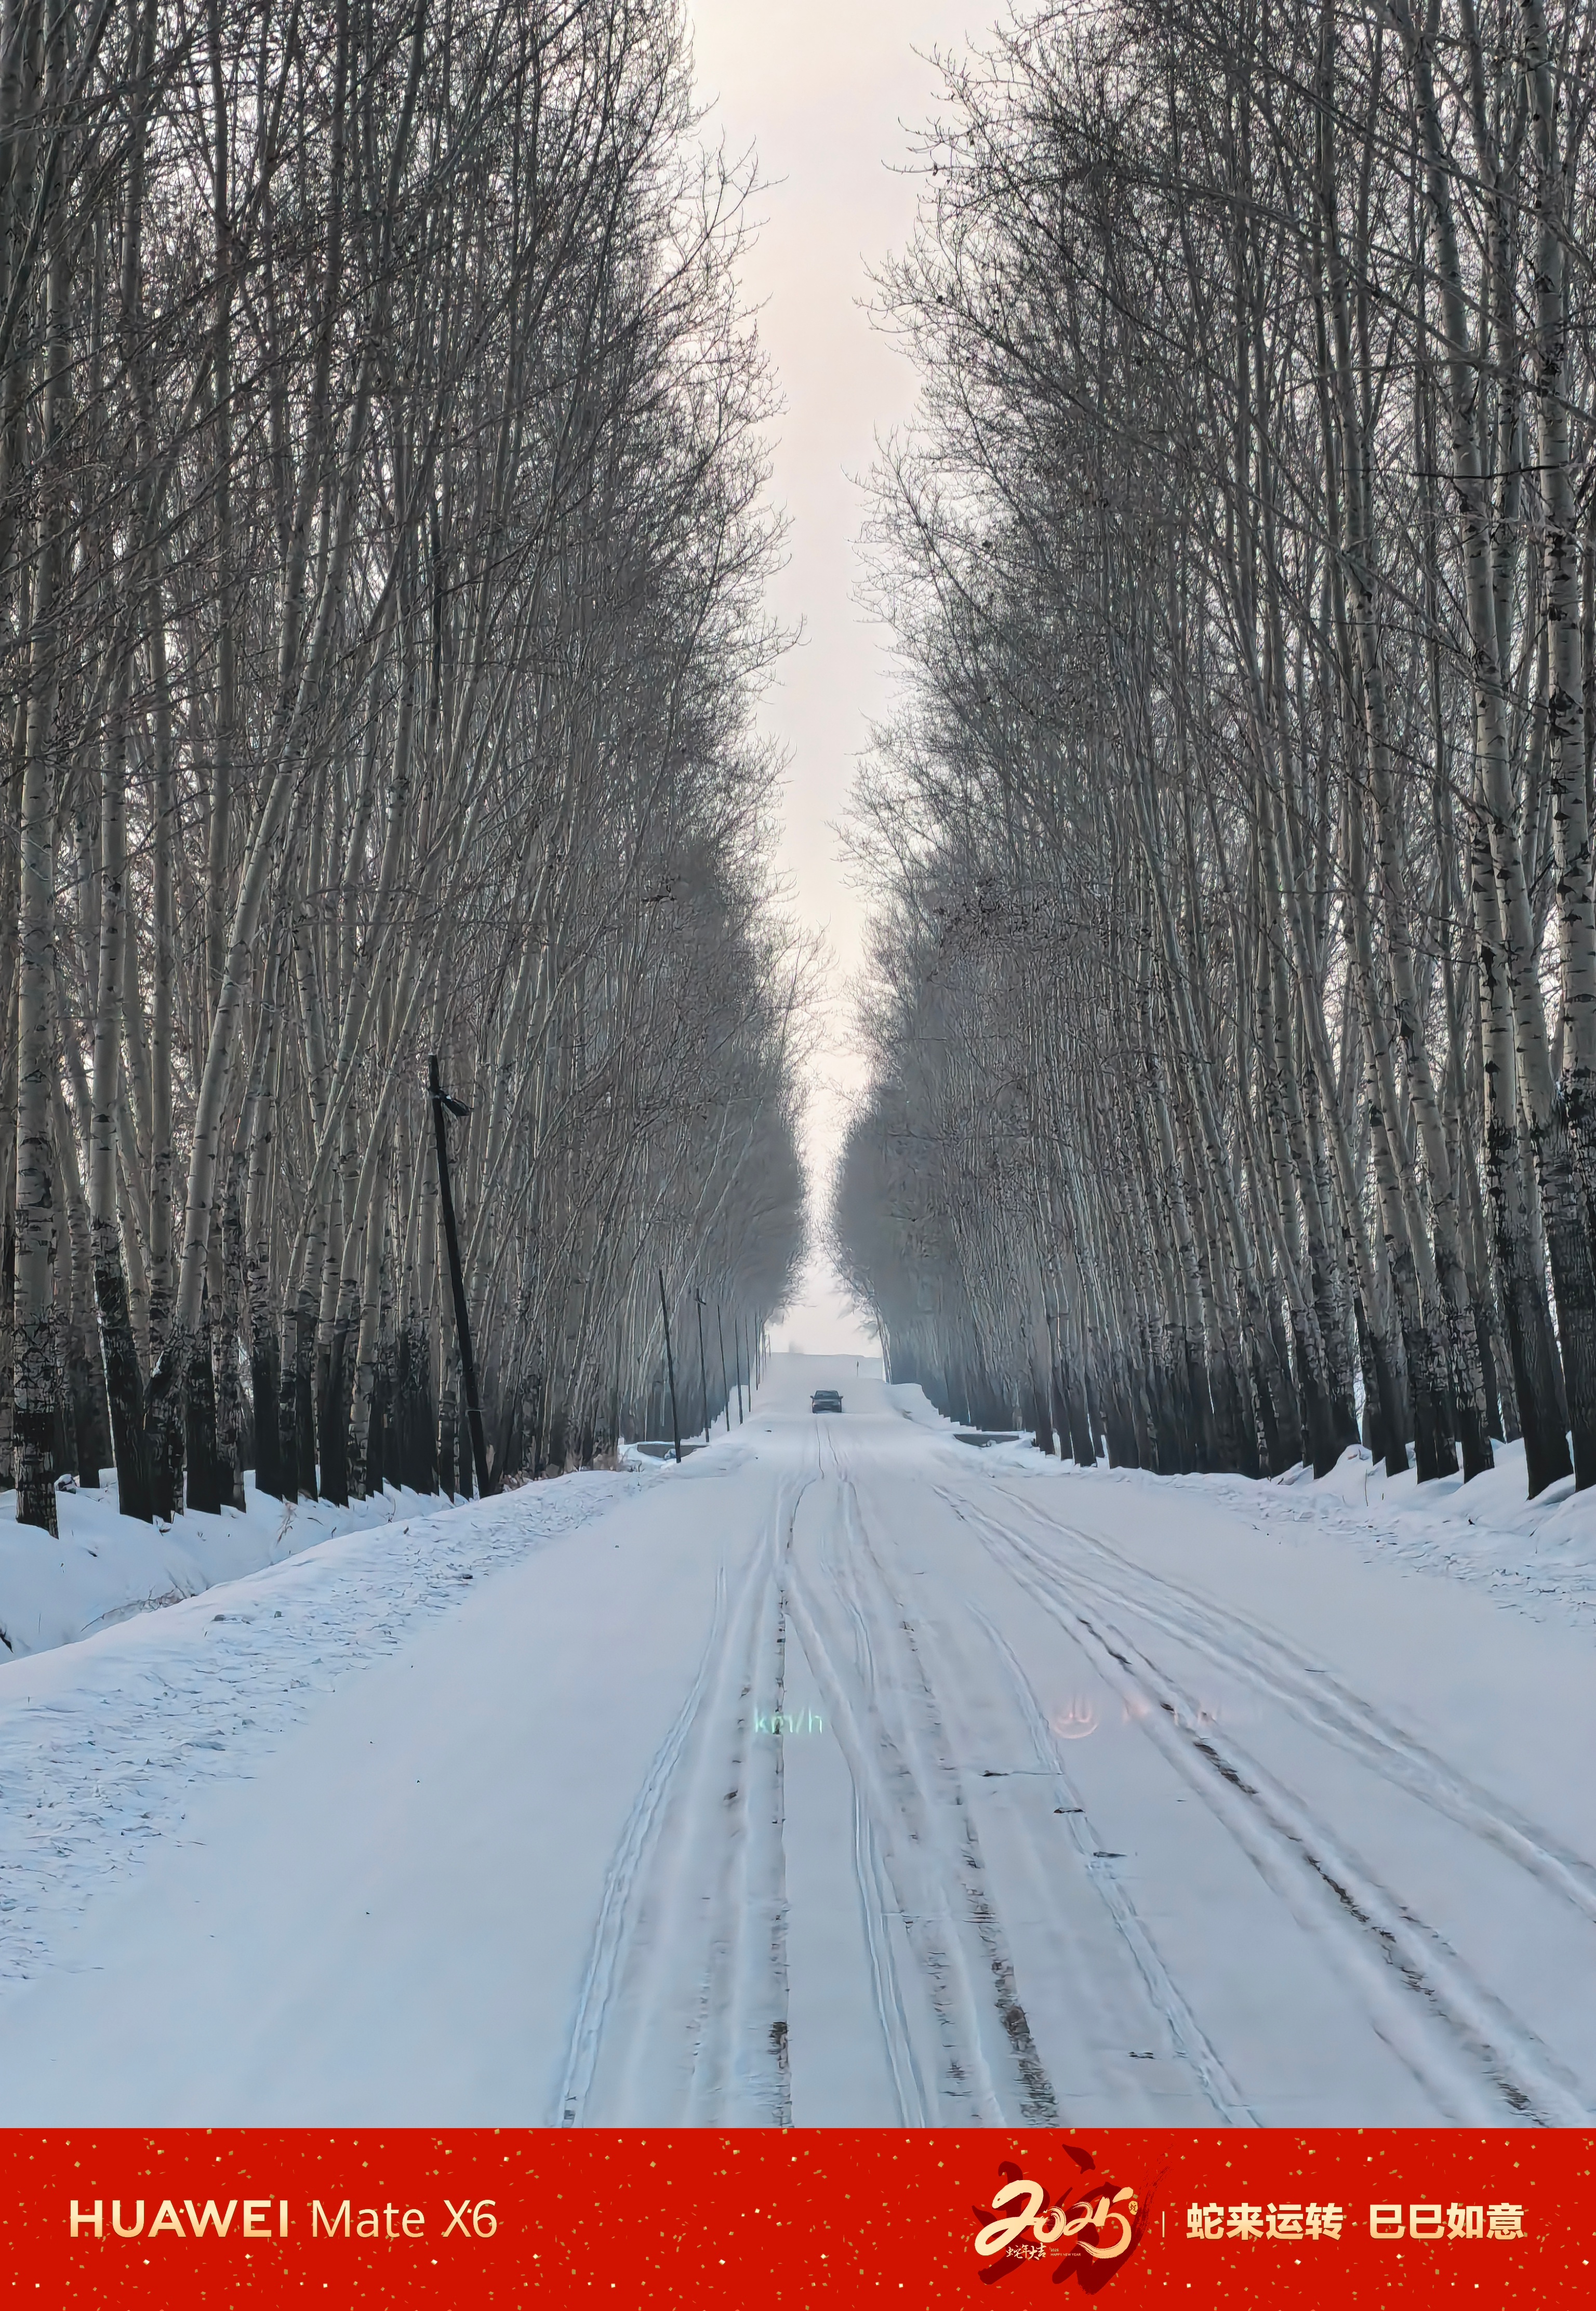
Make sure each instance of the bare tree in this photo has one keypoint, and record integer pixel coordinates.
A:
(382, 541)
(1237, 564)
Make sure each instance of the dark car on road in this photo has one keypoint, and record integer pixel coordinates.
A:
(825, 1399)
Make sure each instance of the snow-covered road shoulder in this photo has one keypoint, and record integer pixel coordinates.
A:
(102, 1741)
(1538, 1556)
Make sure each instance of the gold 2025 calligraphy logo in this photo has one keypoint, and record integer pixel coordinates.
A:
(1087, 2229)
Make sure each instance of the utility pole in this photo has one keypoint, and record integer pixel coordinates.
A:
(1055, 1394)
(670, 1371)
(703, 1370)
(725, 1384)
(441, 1103)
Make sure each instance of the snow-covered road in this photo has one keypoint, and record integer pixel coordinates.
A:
(845, 1775)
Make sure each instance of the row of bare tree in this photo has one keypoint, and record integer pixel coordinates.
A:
(381, 554)
(1235, 1046)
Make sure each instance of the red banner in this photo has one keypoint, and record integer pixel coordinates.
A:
(262, 2216)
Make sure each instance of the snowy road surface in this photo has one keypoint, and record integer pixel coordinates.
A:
(845, 1775)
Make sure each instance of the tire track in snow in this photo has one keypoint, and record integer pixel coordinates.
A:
(742, 2071)
(1273, 1665)
(963, 1859)
(682, 2016)
(963, 2092)
(928, 1846)
(877, 1904)
(1468, 2051)
(1191, 2044)
(1038, 2103)
(886, 1989)
(612, 1933)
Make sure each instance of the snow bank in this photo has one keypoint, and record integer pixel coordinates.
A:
(1538, 1554)
(1531, 1552)
(909, 1398)
(106, 1567)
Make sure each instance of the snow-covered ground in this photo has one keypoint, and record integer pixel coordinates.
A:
(844, 1774)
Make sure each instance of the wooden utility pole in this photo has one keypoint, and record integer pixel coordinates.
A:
(670, 1374)
(703, 1370)
(725, 1384)
(440, 1101)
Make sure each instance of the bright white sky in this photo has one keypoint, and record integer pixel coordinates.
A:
(827, 92)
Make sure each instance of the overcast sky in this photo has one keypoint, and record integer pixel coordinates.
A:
(826, 91)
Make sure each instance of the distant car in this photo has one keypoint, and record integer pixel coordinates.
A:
(825, 1399)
